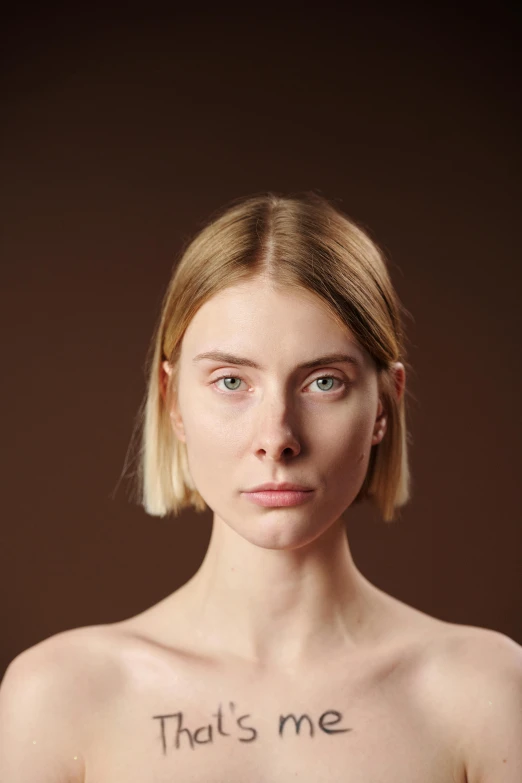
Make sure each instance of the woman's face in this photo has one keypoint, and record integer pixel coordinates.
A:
(244, 425)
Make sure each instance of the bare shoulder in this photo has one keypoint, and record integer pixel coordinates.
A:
(475, 676)
(472, 651)
(471, 656)
(466, 651)
(483, 644)
(47, 697)
(469, 681)
(82, 659)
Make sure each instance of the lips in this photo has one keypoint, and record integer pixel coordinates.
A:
(285, 485)
(279, 498)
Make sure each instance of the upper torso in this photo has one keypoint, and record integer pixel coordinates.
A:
(175, 714)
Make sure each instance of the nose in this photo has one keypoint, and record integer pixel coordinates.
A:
(275, 431)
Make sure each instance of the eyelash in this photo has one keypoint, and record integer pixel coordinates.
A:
(342, 381)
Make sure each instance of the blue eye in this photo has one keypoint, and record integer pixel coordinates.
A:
(230, 378)
(327, 377)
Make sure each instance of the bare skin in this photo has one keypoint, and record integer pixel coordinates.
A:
(278, 621)
(430, 701)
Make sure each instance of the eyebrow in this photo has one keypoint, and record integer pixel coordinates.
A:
(229, 358)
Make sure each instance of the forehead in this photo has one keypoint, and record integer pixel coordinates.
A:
(256, 317)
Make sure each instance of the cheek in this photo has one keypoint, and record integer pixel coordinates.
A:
(214, 446)
(339, 435)
(211, 436)
(347, 445)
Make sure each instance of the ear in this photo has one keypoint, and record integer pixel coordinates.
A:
(399, 379)
(173, 411)
(164, 378)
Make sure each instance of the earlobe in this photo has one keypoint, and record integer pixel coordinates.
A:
(399, 377)
(164, 375)
(166, 370)
(174, 415)
(176, 421)
(177, 426)
(399, 374)
(379, 429)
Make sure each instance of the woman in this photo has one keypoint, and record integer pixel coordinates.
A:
(276, 398)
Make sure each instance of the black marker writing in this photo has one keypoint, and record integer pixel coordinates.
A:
(282, 721)
(163, 718)
(322, 722)
(203, 735)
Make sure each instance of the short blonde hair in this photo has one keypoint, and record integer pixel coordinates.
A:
(295, 242)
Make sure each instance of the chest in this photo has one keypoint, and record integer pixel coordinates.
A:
(204, 729)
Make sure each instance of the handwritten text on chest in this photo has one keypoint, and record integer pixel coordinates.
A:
(173, 730)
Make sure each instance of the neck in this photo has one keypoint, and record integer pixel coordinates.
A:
(280, 607)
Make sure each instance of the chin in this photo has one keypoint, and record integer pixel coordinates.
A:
(277, 530)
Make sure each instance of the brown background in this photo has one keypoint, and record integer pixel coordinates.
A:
(119, 136)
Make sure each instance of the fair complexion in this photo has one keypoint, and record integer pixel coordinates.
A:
(278, 586)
